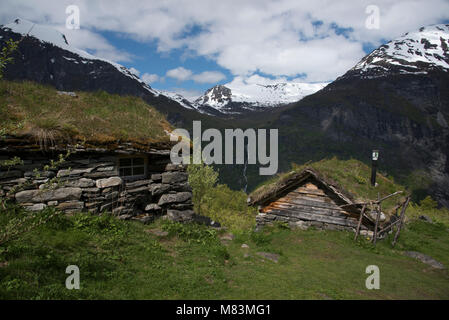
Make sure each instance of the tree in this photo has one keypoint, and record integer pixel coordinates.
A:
(6, 54)
(202, 178)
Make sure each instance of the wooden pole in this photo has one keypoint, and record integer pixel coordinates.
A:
(365, 203)
(388, 227)
(404, 207)
(390, 195)
(360, 222)
(379, 212)
(377, 219)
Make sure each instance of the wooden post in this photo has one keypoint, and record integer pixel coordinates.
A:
(404, 207)
(377, 219)
(360, 222)
(390, 226)
(379, 212)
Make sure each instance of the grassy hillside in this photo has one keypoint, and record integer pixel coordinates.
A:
(37, 110)
(127, 260)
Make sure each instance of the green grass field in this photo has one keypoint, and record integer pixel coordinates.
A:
(125, 260)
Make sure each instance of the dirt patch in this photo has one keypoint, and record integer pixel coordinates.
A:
(270, 256)
(157, 232)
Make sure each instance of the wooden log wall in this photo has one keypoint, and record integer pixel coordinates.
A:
(309, 202)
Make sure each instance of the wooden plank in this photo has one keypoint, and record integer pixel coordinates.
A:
(314, 217)
(318, 197)
(297, 195)
(311, 197)
(317, 204)
(318, 192)
(310, 185)
(325, 211)
(307, 191)
(311, 204)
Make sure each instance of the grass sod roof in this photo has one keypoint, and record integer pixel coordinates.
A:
(292, 180)
(35, 113)
(349, 178)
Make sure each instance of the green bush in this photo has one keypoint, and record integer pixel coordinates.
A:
(428, 203)
(219, 202)
(202, 179)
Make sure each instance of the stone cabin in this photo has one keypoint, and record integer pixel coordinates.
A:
(307, 199)
(131, 180)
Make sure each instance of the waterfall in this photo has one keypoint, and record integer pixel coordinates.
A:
(245, 165)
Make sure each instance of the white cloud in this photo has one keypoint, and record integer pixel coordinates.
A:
(208, 77)
(150, 78)
(179, 73)
(276, 37)
(183, 74)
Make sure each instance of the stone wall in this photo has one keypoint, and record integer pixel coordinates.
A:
(90, 182)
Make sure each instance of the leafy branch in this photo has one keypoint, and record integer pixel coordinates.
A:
(6, 54)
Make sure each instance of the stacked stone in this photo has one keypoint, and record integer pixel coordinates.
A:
(91, 183)
(171, 194)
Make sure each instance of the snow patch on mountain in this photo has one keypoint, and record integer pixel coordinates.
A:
(413, 53)
(178, 98)
(274, 94)
(255, 96)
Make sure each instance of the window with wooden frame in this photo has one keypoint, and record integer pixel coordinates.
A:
(132, 167)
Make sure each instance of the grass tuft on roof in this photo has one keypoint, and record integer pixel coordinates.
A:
(31, 109)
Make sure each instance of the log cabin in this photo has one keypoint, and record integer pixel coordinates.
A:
(308, 199)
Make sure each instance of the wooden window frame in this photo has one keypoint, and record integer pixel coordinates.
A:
(133, 177)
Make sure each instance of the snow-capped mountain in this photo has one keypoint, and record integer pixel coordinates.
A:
(413, 53)
(241, 98)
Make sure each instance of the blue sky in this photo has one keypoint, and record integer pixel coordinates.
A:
(188, 46)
